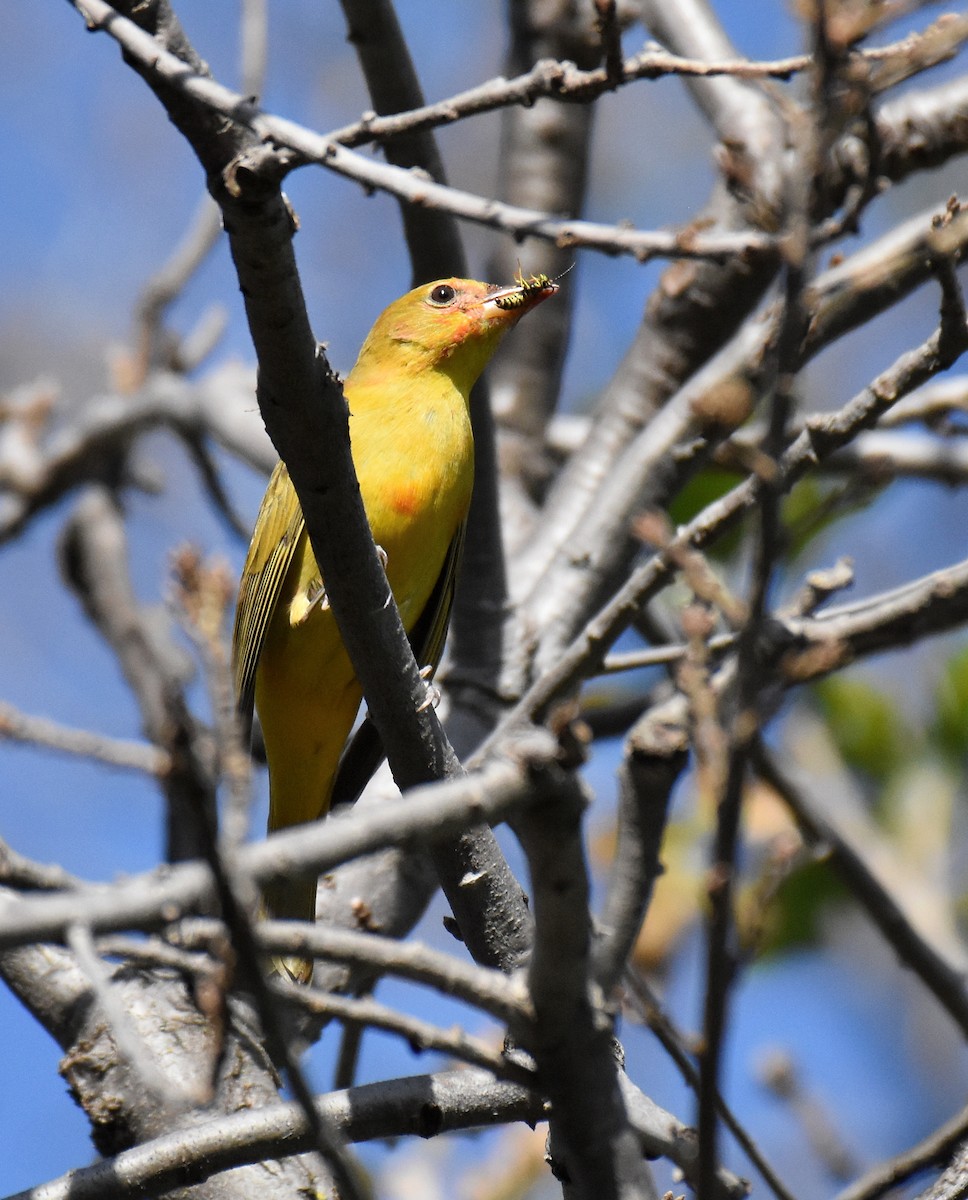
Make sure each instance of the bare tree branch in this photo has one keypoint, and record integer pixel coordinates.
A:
(115, 752)
(652, 761)
(154, 899)
(425, 1105)
(302, 145)
(937, 1148)
(573, 1049)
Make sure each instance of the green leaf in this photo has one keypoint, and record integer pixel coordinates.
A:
(866, 726)
(800, 903)
(707, 486)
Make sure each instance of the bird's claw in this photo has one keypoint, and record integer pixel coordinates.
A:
(432, 698)
(318, 599)
(316, 592)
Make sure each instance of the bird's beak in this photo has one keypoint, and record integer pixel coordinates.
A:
(522, 295)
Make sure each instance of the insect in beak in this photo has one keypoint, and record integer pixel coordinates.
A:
(523, 291)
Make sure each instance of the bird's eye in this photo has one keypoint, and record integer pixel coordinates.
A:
(442, 294)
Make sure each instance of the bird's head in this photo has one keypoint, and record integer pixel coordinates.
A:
(451, 326)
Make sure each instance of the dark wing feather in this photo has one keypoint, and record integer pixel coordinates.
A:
(275, 538)
(364, 751)
(430, 632)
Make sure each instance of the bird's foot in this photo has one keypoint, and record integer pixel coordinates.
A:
(318, 599)
(305, 600)
(432, 698)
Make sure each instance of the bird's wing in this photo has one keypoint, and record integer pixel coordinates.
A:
(275, 539)
(364, 751)
(430, 631)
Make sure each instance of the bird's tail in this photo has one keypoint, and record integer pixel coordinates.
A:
(305, 727)
(291, 901)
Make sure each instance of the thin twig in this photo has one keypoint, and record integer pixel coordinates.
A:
(647, 1006)
(202, 595)
(565, 81)
(17, 726)
(493, 991)
(419, 1034)
(16, 871)
(129, 1043)
(936, 1148)
(154, 952)
(167, 284)
(205, 226)
(649, 768)
(302, 145)
(235, 893)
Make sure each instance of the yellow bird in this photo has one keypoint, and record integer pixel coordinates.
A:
(410, 435)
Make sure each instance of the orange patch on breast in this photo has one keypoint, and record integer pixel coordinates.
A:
(406, 499)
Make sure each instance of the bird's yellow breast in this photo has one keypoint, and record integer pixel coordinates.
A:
(416, 474)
